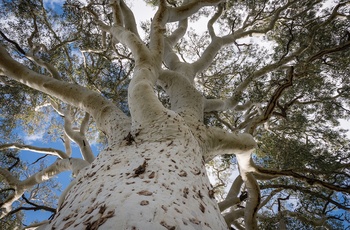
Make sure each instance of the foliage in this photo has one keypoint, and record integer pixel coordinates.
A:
(285, 71)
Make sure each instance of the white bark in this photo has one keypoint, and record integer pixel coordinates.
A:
(172, 190)
(232, 196)
(108, 117)
(49, 151)
(79, 136)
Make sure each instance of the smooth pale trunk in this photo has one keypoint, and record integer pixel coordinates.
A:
(113, 192)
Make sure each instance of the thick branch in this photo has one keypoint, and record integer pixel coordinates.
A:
(253, 202)
(129, 19)
(184, 98)
(233, 215)
(218, 42)
(232, 196)
(178, 33)
(79, 136)
(222, 142)
(50, 151)
(213, 20)
(157, 30)
(335, 49)
(18, 47)
(73, 164)
(186, 10)
(108, 117)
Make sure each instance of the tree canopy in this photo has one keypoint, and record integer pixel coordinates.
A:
(278, 71)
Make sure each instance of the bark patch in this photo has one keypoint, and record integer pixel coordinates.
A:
(102, 209)
(96, 224)
(145, 193)
(129, 139)
(185, 192)
(196, 171)
(90, 210)
(151, 175)
(201, 207)
(183, 173)
(195, 221)
(144, 202)
(68, 224)
(167, 226)
(200, 194)
(211, 194)
(140, 170)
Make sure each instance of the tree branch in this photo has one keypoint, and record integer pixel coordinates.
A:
(61, 165)
(18, 47)
(310, 181)
(232, 196)
(307, 191)
(49, 151)
(79, 136)
(184, 98)
(272, 103)
(188, 9)
(129, 19)
(220, 142)
(108, 117)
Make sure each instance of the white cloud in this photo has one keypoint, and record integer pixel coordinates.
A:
(29, 139)
(53, 3)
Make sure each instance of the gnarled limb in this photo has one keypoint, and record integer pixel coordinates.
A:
(272, 103)
(109, 118)
(232, 196)
(188, 9)
(129, 19)
(49, 151)
(253, 201)
(232, 216)
(178, 33)
(221, 142)
(242, 146)
(34, 207)
(213, 20)
(79, 136)
(218, 42)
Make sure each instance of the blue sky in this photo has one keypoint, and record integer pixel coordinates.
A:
(65, 177)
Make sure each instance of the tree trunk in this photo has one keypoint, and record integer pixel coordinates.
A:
(143, 184)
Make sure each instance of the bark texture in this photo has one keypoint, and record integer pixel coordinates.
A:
(144, 185)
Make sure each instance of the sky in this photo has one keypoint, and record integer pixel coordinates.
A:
(141, 14)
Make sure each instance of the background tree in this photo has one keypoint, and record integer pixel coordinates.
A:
(262, 88)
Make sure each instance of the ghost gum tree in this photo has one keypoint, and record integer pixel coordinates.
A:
(169, 102)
